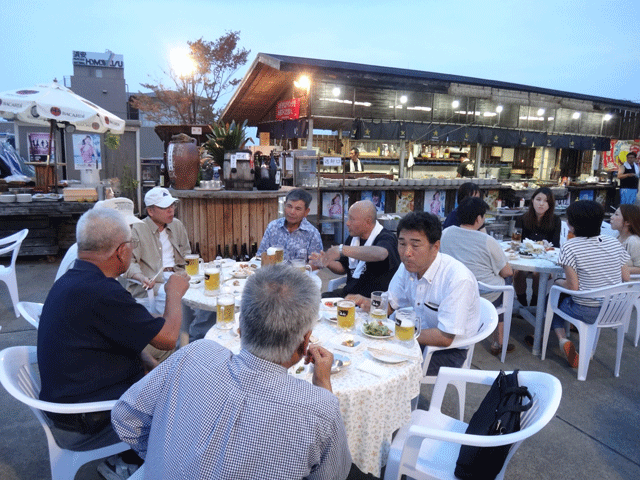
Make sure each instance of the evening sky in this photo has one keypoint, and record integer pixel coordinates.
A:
(588, 47)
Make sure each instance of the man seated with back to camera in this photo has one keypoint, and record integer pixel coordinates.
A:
(293, 232)
(482, 254)
(369, 256)
(92, 333)
(208, 413)
(442, 291)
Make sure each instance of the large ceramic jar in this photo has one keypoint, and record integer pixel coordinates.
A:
(183, 162)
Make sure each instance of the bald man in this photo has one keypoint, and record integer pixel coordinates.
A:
(369, 256)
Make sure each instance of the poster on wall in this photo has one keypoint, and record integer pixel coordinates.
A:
(404, 203)
(377, 197)
(86, 152)
(39, 147)
(333, 204)
(617, 155)
(434, 201)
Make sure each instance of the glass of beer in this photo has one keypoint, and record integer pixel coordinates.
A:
(193, 264)
(211, 280)
(378, 310)
(301, 265)
(225, 311)
(516, 236)
(346, 315)
(279, 253)
(269, 257)
(407, 325)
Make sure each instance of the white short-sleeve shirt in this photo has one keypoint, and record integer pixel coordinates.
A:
(446, 297)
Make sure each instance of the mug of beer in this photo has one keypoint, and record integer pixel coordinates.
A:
(211, 280)
(346, 315)
(378, 310)
(279, 253)
(407, 325)
(301, 265)
(225, 311)
(193, 264)
(269, 257)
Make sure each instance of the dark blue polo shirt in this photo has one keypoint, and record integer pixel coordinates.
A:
(90, 336)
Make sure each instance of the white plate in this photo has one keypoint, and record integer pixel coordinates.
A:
(196, 279)
(227, 262)
(387, 358)
(330, 316)
(377, 337)
(236, 288)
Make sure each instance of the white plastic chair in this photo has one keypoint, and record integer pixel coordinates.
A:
(617, 302)
(20, 379)
(11, 244)
(31, 311)
(488, 323)
(636, 306)
(508, 293)
(336, 282)
(428, 447)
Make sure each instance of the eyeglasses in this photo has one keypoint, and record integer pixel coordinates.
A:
(135, 243)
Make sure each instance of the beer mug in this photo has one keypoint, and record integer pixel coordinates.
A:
(346, 315)
(269, 257)
(279, 250)
(378, 310)
(211, 280)
(407, 325)
(193, 264)
(225, 310)
(301, 265)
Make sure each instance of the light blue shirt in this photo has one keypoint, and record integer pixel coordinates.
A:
(206, 413)
(306, 236)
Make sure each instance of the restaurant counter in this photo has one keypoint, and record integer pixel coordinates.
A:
(222, 218)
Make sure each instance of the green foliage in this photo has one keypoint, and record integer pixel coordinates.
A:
(111, 141)
(226, 137)
(191, 99)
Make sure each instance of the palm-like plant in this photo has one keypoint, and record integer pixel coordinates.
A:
(226, 137)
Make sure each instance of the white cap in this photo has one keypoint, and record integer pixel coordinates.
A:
(159, 197)
(122, 205)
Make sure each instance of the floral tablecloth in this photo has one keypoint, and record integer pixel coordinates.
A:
(375, 397)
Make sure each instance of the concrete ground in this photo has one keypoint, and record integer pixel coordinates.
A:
(593, 436)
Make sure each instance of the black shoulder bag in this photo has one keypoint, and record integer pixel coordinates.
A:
(498, 414)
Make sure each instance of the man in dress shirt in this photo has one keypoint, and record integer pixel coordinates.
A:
(209, 413)
(442, 291)
(293, 231)
(628, 174)
(369, 256)
(162, 244)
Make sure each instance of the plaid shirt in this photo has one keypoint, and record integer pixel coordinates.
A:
(206, 413)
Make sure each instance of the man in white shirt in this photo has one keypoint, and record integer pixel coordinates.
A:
(442, 291)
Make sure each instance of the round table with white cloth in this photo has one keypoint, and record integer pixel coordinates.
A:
(375, 396)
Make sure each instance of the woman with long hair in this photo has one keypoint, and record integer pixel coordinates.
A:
(539, 222)
(626, 220)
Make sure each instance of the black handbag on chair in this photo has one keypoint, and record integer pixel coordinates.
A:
(498, 414)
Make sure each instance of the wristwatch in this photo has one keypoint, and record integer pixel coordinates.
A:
(340, 248)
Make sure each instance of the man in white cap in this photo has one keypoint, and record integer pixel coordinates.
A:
(162, 246)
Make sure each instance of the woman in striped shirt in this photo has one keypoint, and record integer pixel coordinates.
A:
(589, 260)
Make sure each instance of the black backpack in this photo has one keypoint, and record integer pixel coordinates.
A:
(498, 414)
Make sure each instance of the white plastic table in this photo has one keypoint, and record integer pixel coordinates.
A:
(544, 264)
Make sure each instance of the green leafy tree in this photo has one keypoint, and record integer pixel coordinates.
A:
(192, 96)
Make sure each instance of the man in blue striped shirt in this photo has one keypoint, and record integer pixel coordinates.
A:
(207, 413)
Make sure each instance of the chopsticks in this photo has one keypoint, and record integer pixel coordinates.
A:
(384, 351)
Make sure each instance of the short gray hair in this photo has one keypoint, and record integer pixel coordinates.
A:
(101, 230)
(299, 194)
(279, 306)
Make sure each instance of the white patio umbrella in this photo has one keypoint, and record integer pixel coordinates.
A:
(42, 104)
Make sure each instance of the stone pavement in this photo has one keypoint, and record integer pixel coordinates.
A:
(593, 436)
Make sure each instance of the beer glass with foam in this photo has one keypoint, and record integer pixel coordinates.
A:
(407, 325)
(193, 264)
(225, 311)
(211, 280)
